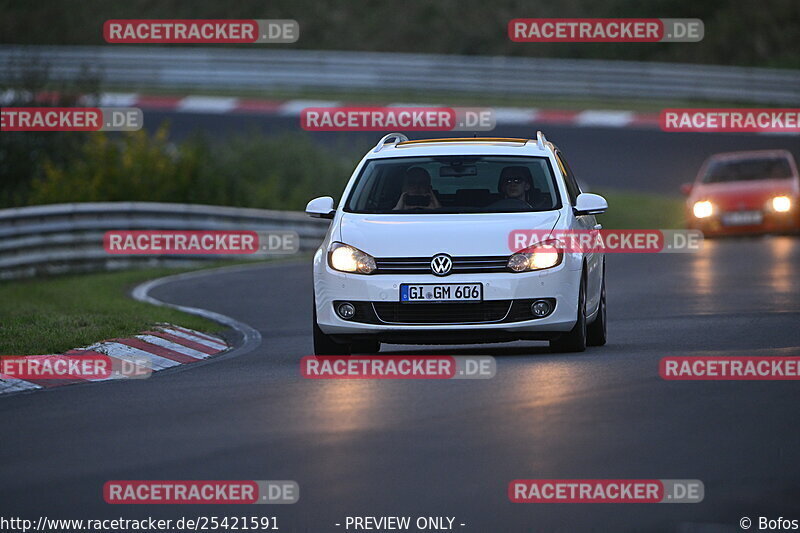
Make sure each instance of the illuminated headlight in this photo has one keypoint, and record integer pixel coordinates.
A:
(703, 209)
(345, 258)
(537, 257)
(781, 204)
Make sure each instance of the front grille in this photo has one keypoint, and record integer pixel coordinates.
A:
(503, 311)
(422, 265)
(445, 313)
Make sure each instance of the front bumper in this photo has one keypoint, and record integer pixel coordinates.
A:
(771, 223)
(560, 283)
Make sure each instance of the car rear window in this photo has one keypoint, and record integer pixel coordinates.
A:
(454, 184)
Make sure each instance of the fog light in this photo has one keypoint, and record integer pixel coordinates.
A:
(346, 310)
(540, 308)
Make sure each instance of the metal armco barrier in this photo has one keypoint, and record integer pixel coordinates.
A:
(59, 238)
(266, 68)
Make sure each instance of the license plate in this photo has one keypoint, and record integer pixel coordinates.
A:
(742, 218)
(440, 292)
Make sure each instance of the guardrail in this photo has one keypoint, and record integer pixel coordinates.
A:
(263, 69)
(59, 238)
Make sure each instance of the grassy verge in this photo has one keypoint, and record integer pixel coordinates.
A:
(631, 210)
(52, 315)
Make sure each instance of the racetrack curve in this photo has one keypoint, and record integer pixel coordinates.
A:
(447, 448)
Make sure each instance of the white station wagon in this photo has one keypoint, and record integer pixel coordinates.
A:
(418, 249)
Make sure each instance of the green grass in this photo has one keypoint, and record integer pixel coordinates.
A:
(52, 315)
(632, 210)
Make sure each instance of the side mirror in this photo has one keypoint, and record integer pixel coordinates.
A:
(686, 189)
(321, 207)
(590, 204)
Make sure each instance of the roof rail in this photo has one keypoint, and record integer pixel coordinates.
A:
(540, 140)
(397, 137)
(466, 139)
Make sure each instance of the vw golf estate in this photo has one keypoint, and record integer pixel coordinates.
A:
(418, 249)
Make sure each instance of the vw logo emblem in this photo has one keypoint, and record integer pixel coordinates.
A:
(441, 264)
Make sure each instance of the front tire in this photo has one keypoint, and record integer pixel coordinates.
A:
(324, 344)
(596, 332)
(575, 339)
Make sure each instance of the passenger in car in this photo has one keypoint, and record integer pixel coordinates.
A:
(417, 191)
(516, 187)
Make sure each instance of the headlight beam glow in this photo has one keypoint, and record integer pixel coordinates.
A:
(703, 209)
(781, 204)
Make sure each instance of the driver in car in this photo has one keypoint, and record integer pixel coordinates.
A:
(417, 191)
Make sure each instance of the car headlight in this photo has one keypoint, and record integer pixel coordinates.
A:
(781, 204)
(546, 254)
(345, 258)
(703, 209)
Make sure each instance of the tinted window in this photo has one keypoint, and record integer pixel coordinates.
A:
(748, 170)
(455, 184)
(572, 184)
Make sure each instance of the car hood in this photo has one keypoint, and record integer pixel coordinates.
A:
(744, 194)
(427, 235)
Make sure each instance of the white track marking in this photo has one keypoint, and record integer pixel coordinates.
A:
(206, 336)
(119, 99)
(604, 118)
(164, 343)
(135, 355)
(16, 385)
(207, 104)
(194, 338)
(514, 115)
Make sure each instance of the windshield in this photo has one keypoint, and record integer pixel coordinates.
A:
(455, 184)
(774, 168)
